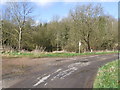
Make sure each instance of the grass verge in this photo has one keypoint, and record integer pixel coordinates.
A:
(40, 55)
(107, 76)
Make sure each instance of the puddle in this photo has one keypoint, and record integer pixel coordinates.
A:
(58, 60)
(84, 61)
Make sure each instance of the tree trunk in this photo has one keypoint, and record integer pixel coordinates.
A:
(88, 44)
(57, 42)
(88, 41)
(19, 42)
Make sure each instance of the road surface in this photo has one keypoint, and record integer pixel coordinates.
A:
(75, 72)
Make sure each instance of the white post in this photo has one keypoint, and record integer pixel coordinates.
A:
(79, 46)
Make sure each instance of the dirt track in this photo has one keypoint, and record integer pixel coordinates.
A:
(75, 72)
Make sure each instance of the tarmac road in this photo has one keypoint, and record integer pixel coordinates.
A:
(76, 72)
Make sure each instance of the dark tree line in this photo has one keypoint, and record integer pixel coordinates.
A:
(87, 24)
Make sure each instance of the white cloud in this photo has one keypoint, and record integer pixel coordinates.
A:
(2, 2)
(43, 3)
(37, 22)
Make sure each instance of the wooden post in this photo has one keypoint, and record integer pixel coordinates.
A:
(79, 46)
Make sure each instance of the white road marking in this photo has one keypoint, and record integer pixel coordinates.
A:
(45, 84)
(57, 70)
(41, 76)
(81, 64)
(74, 64)
(74, 69)
(41, 80)
(70, 70)
(64, 73)
(52, 78)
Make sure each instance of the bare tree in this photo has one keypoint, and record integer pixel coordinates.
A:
(85, 21)
(19, 11)
(56, 27)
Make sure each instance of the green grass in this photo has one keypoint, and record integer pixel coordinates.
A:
(40, 55)
(17, 54)
(107, 76)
